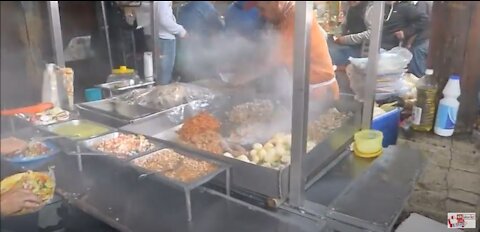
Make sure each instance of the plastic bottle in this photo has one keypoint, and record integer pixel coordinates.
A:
(50, 88)
(425, 106)
(448, 108)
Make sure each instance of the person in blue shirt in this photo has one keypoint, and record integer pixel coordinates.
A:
(245, 22)
(202, 21)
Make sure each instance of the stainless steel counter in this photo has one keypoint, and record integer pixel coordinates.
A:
(115, 196)
(354, 195)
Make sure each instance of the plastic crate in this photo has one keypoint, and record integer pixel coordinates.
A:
(387, 123)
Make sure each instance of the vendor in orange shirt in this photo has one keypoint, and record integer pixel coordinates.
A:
(281, 14)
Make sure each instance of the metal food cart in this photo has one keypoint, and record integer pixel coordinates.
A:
(325, 189)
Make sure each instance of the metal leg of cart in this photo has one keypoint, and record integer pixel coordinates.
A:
(79, 159)
(227, 181)
(188, 204)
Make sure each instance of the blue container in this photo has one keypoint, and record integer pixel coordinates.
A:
(32, 163)
(93, 94)
(388, 123)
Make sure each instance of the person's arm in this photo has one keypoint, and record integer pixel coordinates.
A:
(417, 21)
(166, 19)
(358, 38)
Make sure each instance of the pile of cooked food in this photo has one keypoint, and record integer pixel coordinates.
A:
(254, 123)
(175, 166)
(257, 121)
(273, 154)
(251, 112)
(327, 123)
(35, 149)
(125, 145)
(203, 132)
(14, 147)
(41, 184)
(50, 116)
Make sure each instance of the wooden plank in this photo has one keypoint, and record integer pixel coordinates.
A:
(454, 50)
(471, 73)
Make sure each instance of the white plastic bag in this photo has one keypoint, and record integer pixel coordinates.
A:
(392, 61)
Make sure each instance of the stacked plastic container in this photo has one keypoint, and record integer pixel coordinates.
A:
(390, 76)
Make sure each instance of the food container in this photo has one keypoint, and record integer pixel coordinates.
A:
(177, 164)
(92, 144)
(79, 129)
(179, 168)
(21, 161)
(121, 74)
(45, 189)
(368, 141)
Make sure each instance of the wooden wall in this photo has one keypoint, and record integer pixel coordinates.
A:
(24, 50)
(455, 48)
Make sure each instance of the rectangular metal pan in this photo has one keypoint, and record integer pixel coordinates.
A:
(51, 128)
(221, 167)
(90, 146)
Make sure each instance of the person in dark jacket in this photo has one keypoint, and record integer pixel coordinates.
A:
(407, 26)
(402, 22)
(355, 30)
(202, 21)
(420, 50)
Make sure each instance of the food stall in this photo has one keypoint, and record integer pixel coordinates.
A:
(190, 158)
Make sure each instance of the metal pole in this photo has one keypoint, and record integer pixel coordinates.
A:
(301, 67)
(107, 34)
(134, 47)
(372, 65)
(56, 32)
(155, 46)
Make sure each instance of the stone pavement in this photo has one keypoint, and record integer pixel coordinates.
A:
(451, 179)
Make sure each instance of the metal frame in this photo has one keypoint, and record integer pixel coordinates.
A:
(155, 45)
(303, 16)
(372, 65)
(107, 33)
(56, 32)
(301, 67)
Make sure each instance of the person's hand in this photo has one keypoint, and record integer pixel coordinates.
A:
(410, 42)
(183, 35)
(17, 199)
(339, 40)
(400, 35)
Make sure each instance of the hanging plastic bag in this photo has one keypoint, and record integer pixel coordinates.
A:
(393, 61)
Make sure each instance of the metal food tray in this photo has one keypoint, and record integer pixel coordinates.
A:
(23, 119)
(51, 128)
(118, 109)
(90, 146)
(221, 167)
(115, 114)
(96, 112)
(187, 187)
(124, 85)
(247, 177)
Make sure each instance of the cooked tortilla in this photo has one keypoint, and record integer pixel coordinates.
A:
(41, 184)
(12, 145)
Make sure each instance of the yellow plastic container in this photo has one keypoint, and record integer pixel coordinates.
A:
(123, 70)
(366, 155)
(121, 74)
(368, 142)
